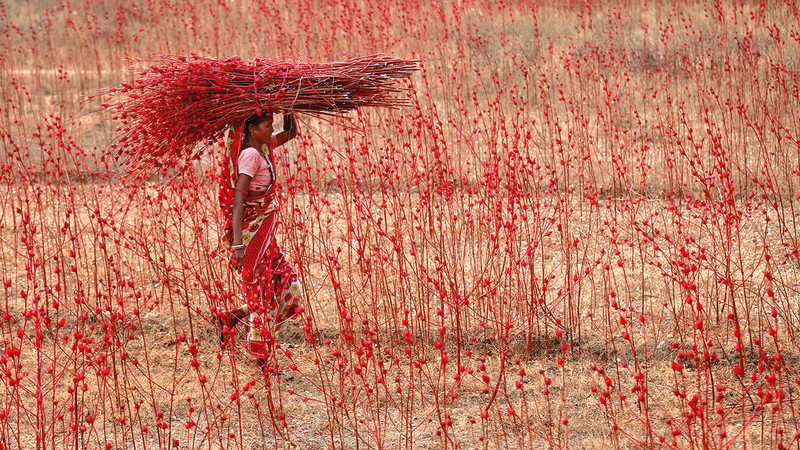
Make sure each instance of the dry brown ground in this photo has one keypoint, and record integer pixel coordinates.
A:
(163, 379)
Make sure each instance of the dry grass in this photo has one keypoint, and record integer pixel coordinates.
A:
(163, 378)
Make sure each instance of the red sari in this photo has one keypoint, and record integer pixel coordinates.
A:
(269, 283)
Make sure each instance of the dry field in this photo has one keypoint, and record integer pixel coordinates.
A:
(580, 233)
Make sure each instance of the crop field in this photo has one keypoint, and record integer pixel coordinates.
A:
(580, 233)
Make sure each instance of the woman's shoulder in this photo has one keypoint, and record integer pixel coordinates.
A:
(248, 153)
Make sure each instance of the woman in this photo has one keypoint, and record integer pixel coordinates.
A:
(247, 190)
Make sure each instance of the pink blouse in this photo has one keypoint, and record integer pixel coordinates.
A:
(257, 167)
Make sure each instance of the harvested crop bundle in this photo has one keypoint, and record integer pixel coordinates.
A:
(180, 101)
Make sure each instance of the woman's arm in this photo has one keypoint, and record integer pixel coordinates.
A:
(289, 130)
(242, 187)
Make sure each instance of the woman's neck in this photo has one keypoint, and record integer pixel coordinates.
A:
(253, 143)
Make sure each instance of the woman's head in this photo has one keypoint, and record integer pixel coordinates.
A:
(258, 128)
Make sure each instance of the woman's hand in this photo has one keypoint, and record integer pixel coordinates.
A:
(289, 129)
(238, 258)
(288, 122)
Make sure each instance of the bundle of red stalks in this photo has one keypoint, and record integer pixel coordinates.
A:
(180, 101)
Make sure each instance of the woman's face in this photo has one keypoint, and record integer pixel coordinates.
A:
(262, 131)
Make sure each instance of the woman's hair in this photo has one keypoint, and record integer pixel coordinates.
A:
(255, 120)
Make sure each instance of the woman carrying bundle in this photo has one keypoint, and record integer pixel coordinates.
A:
(179, 102)
(247, 191)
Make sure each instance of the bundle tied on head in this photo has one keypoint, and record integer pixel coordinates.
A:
(179, 102)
